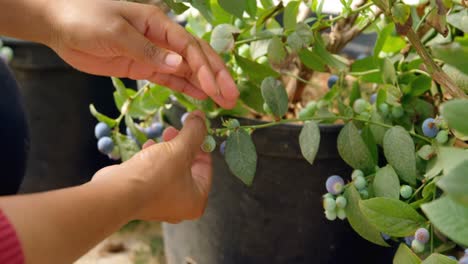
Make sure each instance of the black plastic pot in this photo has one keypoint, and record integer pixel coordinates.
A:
(279, 219)
(63, 148)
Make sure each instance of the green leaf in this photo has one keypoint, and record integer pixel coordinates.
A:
(251, 95)
(309, 141)
(276, 51)
(312, 60)
(301, 38)
(120, 87)
(364, 68)
(392, 217)
(358, 221)
(274, 94)
(368, 138)
(267, 3)
(388, 71)
(405, 255)
(222, 38)
(331, 60)
(401, 13)
(449, 217)
(459, 20)
(455, 113)
(241, 156)
(236, 8)
(140, 136)
(455, 183)
(386, 183)
(178, 8)
(353, 150)
(252, 8)
(436, 258)
(259, 48)
(127, 147)
(420, 85)
(400, 153)
(460, 78)
(290, 15)
(382, 38)
(447, 159)
(101, 117)
(204, 7)
(377, 131)
(255, 71)
(446, 52)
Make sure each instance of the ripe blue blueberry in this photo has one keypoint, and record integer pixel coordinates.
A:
(222, 148)
(373, 98)
(360, 106)
(154, 131)
(417, 246)
(184, 117)
(335, 184)
(422, 235)
(385, 236)
(357, 173)
(442, 137)
(209, 144)
(105, 145)
(406, 191)
(330, 215)
(360, 182)
(341, 213)
(463, 260)
(409, 240)
(102, 130)
(341, 202)
(332, 81)
(430, 128)
(329, 204)
(397, 112)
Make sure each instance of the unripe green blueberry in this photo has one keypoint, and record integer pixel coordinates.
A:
(442, 137)
(239, 23)
(365, 115)
(364, 193)
(308, 110)
(406, 191)
(360, 105)
(341, 202)
(209, 144)
(397, 112)
(263, 60)
(341, 213)
(328, 195)
(357, 173)
(330, 215)
(239, 71)
(329, 204)
(384, 109)
(244, 51)
(360, 183)
(417, 246)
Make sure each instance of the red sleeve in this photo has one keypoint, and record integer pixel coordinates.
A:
(10, 247)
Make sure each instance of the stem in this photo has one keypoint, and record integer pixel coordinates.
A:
(296, 77)
(353, 11)
(240, 42)
(423, 19)
(129, 101)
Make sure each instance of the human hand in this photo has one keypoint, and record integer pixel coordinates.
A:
(170, 180)
(137, 41)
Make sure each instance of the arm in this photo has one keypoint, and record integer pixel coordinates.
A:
(169, 181)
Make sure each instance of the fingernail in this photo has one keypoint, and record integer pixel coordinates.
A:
(173, 60)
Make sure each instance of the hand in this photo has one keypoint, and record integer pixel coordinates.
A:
(137, 41)
(171, 180)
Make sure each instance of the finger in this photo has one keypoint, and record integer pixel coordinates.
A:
(148, 143)
(170, 133)
(192, 135)
(178, 84)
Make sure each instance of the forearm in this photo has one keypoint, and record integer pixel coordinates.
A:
(60, 226)
(26, 19)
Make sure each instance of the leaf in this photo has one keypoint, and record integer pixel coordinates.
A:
(312, 60)
(405, 255)
(455, 182)
(446, 52)
(251, 8)
(309, 141)
(276, 51)
(140, 136)
(368, 138)
(449, 217)
(301, 38)
(127, 147)
(388, 71)
(377, 131)
(331, 60)
(358, 221)
(455, 113)
(382, 37)
(222, 38)
(101, 117)
(364, 68)
(420, 85)
(401, 13)
(392, 217)
(459, 20)
(251, 95)
(204, 7)
(236, 8)
(290, 15)
(400, 153)
(120, 87)
(255, 71)
(386, 183)
(447, 159)
(259, 48)
(275, 96)
(353, 150)
(460, 78)
(241, 156)
(436, 258)
(178, 8)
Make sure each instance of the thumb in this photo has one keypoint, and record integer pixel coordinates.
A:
(192, 135)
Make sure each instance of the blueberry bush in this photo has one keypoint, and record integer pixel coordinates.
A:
(403, 107)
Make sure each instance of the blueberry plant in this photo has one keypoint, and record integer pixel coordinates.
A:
(403, 107)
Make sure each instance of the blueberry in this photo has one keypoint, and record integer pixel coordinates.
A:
(409, 240)
(364, 193)
(452, 257)
(373, 98)
(105, 145)
(397, 112)
(360, 182)
(466, 251)
(385, 236)
(384, 109)
(154, 131)
(328, 195)
(263, 60)
(232, 123)
(463, 260)
(417, 246)
(329, 204)
(239, 23)
(429, 128)
(357, 173)
(222, 147)
(184, 117)
(6, 53)
(308, 110)
(341, 202)
(209, 144)
(102, 130)
(332, 81)
(422, 235)
(361, 56)
(330, 215)
(360, 105)
(442, 137)
(244, 51)
(335, 184)
(406, 191)
(115, 154)
(341, 213)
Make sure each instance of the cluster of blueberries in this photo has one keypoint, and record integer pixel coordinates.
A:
(333, 202)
